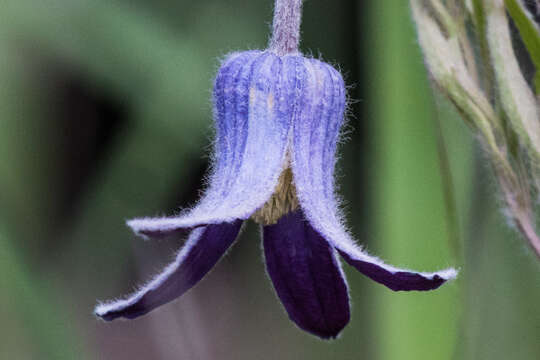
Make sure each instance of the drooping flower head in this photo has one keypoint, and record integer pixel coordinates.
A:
(278, 117)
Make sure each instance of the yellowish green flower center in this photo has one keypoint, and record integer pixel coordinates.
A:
(283, 201)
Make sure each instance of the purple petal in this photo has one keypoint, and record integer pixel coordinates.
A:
(315, 135)
(306, 275)
(253, 108)
(396, 279)
(201, 252)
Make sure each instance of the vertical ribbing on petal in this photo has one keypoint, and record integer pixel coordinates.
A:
(315, 135)
(266, 130)
(225, 97)
(253, 111)
(235, 121)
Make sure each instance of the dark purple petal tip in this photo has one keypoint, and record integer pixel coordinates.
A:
(315, 134)
(307, 276)
(201, 252)
(398, 279)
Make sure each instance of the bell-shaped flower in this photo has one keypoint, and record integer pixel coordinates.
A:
(278, 119)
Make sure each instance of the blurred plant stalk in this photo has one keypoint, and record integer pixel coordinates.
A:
(489, 90)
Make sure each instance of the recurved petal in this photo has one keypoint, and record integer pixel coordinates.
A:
(253, 114)
(315, 136)
(394, 278)
(204, 247)
(307, 276)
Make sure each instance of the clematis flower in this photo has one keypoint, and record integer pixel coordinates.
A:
(278, 117)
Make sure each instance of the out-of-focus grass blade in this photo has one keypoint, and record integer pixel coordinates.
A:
(410, 215)
(502, 289)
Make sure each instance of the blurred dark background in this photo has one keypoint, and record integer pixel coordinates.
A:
(105, 115)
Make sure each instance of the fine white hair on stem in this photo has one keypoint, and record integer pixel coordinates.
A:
(286, 26)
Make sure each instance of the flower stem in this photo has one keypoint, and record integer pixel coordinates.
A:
(286, 26)
(521, 213)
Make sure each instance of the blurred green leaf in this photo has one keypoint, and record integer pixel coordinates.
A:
(34, 324)
(411, 218)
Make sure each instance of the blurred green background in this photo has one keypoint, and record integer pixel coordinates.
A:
(105, 114)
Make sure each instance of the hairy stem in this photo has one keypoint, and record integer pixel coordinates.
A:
(286, 26)
(520, 213)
